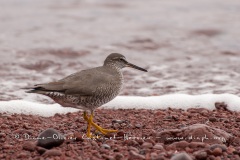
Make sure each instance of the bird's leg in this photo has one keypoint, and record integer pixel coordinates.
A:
(100, 129)
(85, 116)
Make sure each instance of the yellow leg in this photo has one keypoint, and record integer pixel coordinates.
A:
(88, 125)
(91, 123)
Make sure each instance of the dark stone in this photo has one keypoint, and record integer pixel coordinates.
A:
(223, 147)
(50, 138)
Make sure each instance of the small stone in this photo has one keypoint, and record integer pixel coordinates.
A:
(106, 146)
(78, 137)
(223, 147)
(119, 156)
(50, 138)
(135, 155)
(108, 157)
(181, 156)
(158, 146)
(231, 150)
(217, 152)
(178, 145)
(52, 152)
(95, 144)
(120, 134)
(221, 106)
(7, 146)
(41, 150)
(147, 145)
(29, 146)
(132, 143)
(200, 155)
(23, 155)
(212, 119)
(133, 149)
(2, 135)
(154, 155)
(138, 126)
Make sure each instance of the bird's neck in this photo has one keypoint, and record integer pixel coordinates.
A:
(113, 66)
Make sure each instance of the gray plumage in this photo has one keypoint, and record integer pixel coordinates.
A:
(88, 89)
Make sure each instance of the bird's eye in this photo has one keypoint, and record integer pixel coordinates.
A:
(121, 59)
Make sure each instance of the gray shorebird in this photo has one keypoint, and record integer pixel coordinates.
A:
(88, 89)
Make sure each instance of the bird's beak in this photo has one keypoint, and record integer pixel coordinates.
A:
(135, 67)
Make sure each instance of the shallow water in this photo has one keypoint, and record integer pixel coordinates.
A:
(189, 47)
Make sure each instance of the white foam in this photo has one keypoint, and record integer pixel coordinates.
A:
(32, 108)
(182, 101)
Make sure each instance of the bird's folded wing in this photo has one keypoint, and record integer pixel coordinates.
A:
(85, 84)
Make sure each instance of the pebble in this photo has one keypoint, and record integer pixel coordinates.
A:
(223, 147)
(78, 136)
(138, 126)
(23, 155)
(132, 143)
(158, 146)
(135, 155)
(29, 146)
(41, 150)
(147, 145)
(154, 156)
(176, 145)
(2, 135)
(200, 155)
(95, 144)
(50, 138)
(119, 156)
(212, 119)
(181, 156)
(106, 146)
(52, 152)
(7, 146)
(133, 149)
(217, 152)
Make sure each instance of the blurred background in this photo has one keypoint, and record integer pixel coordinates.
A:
(188, 46)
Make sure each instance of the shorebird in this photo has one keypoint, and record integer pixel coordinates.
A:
(88, 89)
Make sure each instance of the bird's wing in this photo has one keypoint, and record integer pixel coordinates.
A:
(82, 83)
(86, 82)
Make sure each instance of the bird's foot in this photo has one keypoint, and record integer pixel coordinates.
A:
(102, 130)
(91, 123)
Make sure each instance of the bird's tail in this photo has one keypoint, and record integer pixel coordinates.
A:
(35, 89)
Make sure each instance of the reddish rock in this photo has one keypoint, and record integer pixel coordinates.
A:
(178, 145)
(135, 155)
(78, 136)
(41, 150)
(29, 146)
(197, 145)
(147, 145)
(158, 146)
(23, 155)
(200, 155)
(119, 156)
(217, 152)
(52, 152)
(214, 146)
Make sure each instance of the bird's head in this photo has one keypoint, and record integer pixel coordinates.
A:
(119, 61)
